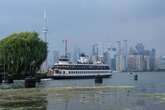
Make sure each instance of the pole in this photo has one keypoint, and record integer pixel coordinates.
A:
(4, 78)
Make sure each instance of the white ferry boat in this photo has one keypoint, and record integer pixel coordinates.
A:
(64, 69)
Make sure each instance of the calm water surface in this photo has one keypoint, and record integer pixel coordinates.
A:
(120, 92)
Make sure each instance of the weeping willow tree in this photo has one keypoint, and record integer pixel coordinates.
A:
(22, 53)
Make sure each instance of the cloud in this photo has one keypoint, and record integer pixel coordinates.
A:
(84, 22)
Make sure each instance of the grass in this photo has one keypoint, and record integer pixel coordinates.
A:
(22, 99)
(36, 99)
(67, 89)
(159, 96)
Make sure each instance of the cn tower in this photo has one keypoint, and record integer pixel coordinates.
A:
(45, 33)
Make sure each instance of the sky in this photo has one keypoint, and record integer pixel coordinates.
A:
(85, 22)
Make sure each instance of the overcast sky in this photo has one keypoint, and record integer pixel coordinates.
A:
(84, 22)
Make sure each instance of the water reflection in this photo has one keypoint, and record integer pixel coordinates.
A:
(89, 99)
(119, 96)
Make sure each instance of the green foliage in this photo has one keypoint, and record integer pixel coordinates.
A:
(22, 53)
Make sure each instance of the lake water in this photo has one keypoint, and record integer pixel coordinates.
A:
(120, 92)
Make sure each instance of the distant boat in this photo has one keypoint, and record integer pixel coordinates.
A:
(130, 73)
(47, 79)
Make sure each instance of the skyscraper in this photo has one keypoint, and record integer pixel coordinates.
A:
(107, 58)
(55, 56)
(125, 55)
(119, 58)
(95, 53)
(152, 55)
(76, 54)
(95, 50)
(140, 48)
(161, 63)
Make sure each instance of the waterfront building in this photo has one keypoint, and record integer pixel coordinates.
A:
(145, 59)
(147, 63)
(125, 56)
(118, 57)
(122, 57)
(97, 53)
(135, 63)
(113, 54)
(152, 59)
(161, 63)
(132, 63)
(107, 58)
(140, 62)
(120, 63)
(140, 48)
(95, 50)
(136, 58)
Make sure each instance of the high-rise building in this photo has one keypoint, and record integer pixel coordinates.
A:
(152, 59)
(140, 48)
(132, 63)
(56, 56)
(145, 59)
(147, 63)
(125, 55)
(95, 53)
(118, 57)
(95, 50)
(122, 57)
(76, 54)
(140, 62)
(161, 63)
(113, 54)
(135, 63)
(107, 58)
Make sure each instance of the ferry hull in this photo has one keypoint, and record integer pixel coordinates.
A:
(79, 77)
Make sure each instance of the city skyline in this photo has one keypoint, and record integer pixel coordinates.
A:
(88, 22)
(120, 58)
